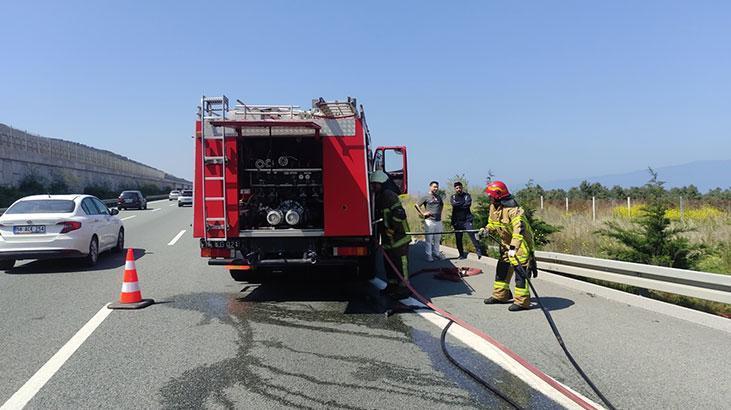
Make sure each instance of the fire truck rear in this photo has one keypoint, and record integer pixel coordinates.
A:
(278, 186)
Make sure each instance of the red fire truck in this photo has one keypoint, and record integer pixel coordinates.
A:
(279, 186)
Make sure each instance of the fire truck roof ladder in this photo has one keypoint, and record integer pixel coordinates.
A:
(214, 108)
(335, 109)
(264, 112)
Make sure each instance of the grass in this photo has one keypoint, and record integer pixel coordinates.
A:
(710, 226)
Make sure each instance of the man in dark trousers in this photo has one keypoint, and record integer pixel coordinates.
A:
(462, 219)
(392, 231)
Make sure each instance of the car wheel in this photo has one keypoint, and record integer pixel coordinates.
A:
(7, 264)
(179, 204)
(93, 256)
(145, 207)
(120, 242)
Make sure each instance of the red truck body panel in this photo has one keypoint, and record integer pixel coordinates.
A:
(345, 180)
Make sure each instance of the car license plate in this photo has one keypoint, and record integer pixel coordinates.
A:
(129, 201)
(26, 229)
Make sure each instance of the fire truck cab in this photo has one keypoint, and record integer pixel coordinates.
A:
(278, 186)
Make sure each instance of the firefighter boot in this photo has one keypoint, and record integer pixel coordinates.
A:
(503, 296)
(400, 292)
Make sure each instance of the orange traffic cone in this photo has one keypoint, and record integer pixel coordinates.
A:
(131, 297)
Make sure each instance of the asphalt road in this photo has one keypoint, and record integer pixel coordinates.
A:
(314, 342)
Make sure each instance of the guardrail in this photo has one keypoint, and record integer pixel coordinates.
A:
(702, 285)
(109, 202)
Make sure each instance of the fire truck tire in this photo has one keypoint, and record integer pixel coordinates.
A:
(366, 268)
(245, 275)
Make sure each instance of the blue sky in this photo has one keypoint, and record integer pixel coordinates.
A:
(542, 90)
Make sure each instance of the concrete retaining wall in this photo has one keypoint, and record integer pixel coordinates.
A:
(79, 166)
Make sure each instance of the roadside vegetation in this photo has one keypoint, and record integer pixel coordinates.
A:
(34, 185)
(654, 230)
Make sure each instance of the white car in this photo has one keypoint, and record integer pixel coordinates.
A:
(58, 226)
(173, 195)
(185, 198)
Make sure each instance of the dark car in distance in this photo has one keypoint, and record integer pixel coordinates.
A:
(131, 199)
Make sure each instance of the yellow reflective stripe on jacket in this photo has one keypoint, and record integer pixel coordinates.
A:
(387, 218)
(518, 224)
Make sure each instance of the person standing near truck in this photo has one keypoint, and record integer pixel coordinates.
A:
(461, 202)
(392, 230)
(433, 206)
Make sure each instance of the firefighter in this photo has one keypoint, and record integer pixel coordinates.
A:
(507, 220)
(393, 230)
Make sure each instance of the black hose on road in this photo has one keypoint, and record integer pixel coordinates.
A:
(470, 373)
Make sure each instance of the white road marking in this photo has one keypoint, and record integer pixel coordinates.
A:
(175, 239)
(492, 353)
(128, 217)
(44, 374)
(157, 200)
(172, 204)
(154, 209)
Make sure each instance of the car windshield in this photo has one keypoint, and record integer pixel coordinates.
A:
(42, 206)
(129, 195)
(187, 193)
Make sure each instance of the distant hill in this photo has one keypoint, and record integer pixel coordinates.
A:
(703, 174)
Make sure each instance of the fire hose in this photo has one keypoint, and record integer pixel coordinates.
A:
(452, 319)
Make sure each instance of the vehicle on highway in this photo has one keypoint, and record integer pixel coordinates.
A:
(131, 199)
(185, 198)
(277, 186)
(58, 226)
(173, 195)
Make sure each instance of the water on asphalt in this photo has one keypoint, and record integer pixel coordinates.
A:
(329, 344)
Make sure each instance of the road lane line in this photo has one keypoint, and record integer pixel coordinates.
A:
(127, 217)
(157, 200)
(154, 209)
(172, 204)
(44, 374)
(175, 239)
(493, 353)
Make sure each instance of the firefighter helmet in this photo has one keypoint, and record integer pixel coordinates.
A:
(497, 190)
(379, 177)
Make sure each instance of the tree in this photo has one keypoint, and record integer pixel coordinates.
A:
(541, 229)
(652, 239)
(530, 195)
(617, 192)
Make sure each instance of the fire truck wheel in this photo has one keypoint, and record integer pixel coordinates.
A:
(366, 268)
(245, 275)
